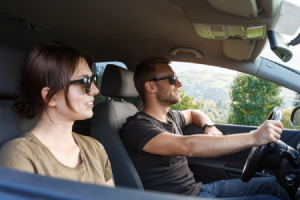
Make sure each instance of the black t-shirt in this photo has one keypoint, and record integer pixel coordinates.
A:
(160, 173)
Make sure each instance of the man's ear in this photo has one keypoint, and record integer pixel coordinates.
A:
(150, 87)
(44, 93)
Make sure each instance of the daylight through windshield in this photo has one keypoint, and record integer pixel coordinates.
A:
(288, 26)
(231, 97)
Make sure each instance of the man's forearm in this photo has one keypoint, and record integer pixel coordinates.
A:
(212, 146)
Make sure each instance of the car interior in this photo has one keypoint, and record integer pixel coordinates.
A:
(229, 34)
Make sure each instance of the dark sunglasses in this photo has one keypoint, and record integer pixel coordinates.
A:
(173, 79)
(87, 82)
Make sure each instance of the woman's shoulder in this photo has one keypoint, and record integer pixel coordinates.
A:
(17, 147)
(18, 154)
(20, 143)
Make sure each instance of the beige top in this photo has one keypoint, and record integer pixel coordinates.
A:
(27, 153)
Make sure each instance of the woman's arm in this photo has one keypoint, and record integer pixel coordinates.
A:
(110, 183)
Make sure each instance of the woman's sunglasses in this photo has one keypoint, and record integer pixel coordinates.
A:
(173, 79)
(87, 82)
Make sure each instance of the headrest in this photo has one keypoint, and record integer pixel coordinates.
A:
(10, 72)
(118, 82)
(11, 125)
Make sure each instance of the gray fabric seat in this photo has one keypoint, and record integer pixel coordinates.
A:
(108, 118)
(11, 126)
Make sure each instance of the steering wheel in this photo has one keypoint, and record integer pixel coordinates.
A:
(257, 153)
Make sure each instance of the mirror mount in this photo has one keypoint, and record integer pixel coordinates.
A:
(279, 46)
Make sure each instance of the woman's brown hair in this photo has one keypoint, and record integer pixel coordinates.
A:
(48, 65)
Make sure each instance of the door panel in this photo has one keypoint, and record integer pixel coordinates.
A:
(229, 166)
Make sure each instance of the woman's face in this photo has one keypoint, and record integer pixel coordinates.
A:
(81, 102)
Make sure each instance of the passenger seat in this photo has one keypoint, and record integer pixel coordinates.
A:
(108, 118)
(11, 125)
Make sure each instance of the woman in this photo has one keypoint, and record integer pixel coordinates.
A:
(59, 87)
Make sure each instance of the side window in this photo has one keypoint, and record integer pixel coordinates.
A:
(100, 67)
(229, 97)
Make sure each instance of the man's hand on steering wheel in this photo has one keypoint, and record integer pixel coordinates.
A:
(269, 132)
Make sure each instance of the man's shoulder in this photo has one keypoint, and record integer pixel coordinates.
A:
(175, 114)
(139, 117)
(140, 123)
(177, 117)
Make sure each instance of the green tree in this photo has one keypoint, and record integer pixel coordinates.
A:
(186, 102)
(252, 100)
(216, 111)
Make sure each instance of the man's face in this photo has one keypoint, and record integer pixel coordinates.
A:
(167, 94)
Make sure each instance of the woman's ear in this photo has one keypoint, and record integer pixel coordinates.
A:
(150, 87)
(44, 93)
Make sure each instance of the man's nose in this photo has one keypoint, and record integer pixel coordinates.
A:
(178, 83)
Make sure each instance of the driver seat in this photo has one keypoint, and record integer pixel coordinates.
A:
(108, 118)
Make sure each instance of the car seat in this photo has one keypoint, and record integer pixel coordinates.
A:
(108, 118)
(11, 125)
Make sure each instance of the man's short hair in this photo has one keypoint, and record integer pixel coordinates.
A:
(145, 71)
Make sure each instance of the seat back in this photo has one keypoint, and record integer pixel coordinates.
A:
(108, 118)
(12, 126)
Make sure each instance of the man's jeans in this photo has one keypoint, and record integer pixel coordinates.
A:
(237, 188)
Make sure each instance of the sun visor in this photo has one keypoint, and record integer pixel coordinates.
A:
(238, 49)
(244, 8)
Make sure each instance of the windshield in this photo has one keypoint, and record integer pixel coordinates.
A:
(288, 26)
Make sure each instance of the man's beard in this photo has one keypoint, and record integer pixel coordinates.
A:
(165, 98)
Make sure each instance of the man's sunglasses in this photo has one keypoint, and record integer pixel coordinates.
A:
(87, 82)
(173, 79)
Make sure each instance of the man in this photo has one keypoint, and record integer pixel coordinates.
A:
(157, 147)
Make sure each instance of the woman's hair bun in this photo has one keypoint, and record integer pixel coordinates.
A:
(25, 109)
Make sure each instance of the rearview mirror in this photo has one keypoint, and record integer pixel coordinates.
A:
(279, 46)
(295, 117)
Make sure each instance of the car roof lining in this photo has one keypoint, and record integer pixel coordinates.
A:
(134, 30)
(159, 24)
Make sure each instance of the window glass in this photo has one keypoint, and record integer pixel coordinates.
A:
(229, 97)
(100, 67)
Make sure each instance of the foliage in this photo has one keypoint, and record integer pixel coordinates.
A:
(217, 111)
(186, 102)
(252, 100)
(206, 85)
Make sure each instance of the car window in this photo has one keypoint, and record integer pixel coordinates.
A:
(231, 97)
(100, 67)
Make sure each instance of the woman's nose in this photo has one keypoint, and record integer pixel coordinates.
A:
(94, 90)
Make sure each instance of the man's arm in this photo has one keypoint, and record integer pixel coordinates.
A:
(212, 146)
(199, 118)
